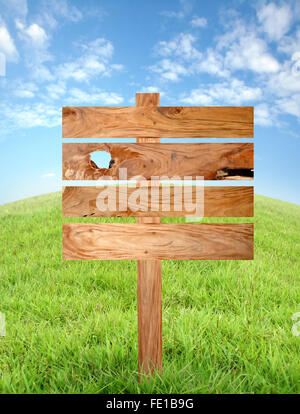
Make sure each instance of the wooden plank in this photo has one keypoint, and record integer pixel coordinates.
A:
(192, 241)
(213, 161)
(218, 201)
(149, 281)
(157, 121)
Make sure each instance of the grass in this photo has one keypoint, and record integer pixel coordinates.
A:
(71, 327)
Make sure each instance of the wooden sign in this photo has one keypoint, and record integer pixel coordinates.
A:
(154, 166)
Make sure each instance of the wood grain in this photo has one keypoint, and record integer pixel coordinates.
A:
(149, 282)
(218, 201)
(193, 241)
(149, 304)
(157, 121)
(213, 161)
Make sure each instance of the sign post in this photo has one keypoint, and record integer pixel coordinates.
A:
(149, 283)
(149, 241)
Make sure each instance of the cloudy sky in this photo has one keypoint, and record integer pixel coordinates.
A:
(55, 53)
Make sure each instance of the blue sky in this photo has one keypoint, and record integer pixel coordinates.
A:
(55, 53)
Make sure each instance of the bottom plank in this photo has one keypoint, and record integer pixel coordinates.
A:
(176, 241)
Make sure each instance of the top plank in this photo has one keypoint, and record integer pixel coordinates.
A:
(157, 121)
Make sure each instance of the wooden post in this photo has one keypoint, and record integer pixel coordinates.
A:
(149, 285)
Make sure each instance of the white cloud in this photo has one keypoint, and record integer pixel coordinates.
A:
(80, 70)
(287, 81)
(48, 175)
(198, 97)
(40, 72)
(237, 49)
(77, 96)
(23, 93)
(25, 90)
(290, 105)
(249, 52)
(94, 61)
(181, 46)
(65, 10)
(179, 54)
(185, 9)
(275, 20)
(241, 50)
(169, 70)
(54, 10)
(16, 8)
(99, 47)
(262, 115)
(117, 66)
(171, 14)
(56, 90)
(35, 44)
(34, 35)
(296, 63)
(232, 92)
(151, 89)
(290, 44)
(199, 22)
(211, 62)
(31, 115)
(7, 45)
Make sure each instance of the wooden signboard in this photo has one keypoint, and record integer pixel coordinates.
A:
(152, 164)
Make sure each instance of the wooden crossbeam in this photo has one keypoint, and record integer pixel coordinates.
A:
(157, 121)
(213, 161)
(169, 202)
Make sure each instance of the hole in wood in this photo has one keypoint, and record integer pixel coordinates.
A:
(236, 173)
(101, 159)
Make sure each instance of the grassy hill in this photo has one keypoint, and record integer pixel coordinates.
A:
(71, 327)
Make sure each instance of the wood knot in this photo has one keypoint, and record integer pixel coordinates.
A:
(67, 111)
(176, 110)
(111, 163)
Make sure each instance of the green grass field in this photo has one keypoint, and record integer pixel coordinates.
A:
(71, 327)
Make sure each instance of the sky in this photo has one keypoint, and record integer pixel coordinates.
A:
(56, 53)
